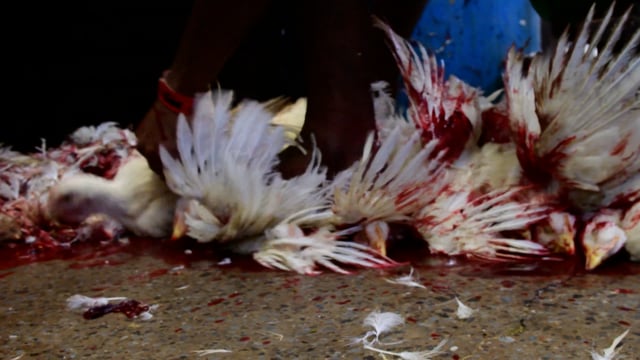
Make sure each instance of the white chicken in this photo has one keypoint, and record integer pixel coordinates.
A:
(26, 179)
(608, 231)
(136, 197)
(390, 184)
(225, 173)
(575, 117)
(631, 226)
(481, 210)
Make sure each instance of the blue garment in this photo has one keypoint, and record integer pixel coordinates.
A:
(473, 36)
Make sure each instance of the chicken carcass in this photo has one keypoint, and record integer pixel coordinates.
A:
(225, 173)
(575, 118)
(481, 210)
(136, 197)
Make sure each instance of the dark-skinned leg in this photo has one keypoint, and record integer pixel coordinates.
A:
(340, 110)
(213, 33)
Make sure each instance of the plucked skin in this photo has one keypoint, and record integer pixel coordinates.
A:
(136, 197)
(225, 173)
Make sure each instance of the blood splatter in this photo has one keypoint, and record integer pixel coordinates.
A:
(623, 291)
(507, 283)
(215, 301)
(130, 308)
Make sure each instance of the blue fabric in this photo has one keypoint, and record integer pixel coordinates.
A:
(473, 36)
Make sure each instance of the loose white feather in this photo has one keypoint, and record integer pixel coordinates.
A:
(611, 352)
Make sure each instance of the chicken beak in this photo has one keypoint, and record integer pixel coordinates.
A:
(179, 227)
(593, 259)
(598, 254)
(566, 244)
(377, 233)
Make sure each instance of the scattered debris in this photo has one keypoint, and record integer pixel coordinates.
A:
(464, 312)
(273, 333)
(384, 322)
(78, 301)
(406, 280)
(412, 355)
(211, 351)
(97, 307)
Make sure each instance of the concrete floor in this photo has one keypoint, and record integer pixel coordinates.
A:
(525, 311)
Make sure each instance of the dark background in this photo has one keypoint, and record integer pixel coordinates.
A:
(72, 65)
(67, 65)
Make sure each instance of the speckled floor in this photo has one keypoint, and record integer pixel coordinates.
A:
(528, 311)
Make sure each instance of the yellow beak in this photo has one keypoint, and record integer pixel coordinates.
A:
(377, 233)
(179, 227)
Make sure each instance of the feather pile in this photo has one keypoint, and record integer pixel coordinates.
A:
(554, 162)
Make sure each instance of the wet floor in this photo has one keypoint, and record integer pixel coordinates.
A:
(526, 311)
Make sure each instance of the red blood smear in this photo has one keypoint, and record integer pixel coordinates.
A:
(219, 321)
(149, 275)
(411, 319)
(411, 249)
(624, 308)
(440, 288)
(2, 276)
(15, 254)
(157, 273)
(234, 295)
(624, 291)
(177, 330)
(130, 308)
(93, 264)
(622, 322)
(455, 357)
(317, 298)
(435, 335)
(343, 302)
(215, 301)
(245, 338)
(343, 286)
(495, 127)
(266, 342)
(507, 283)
